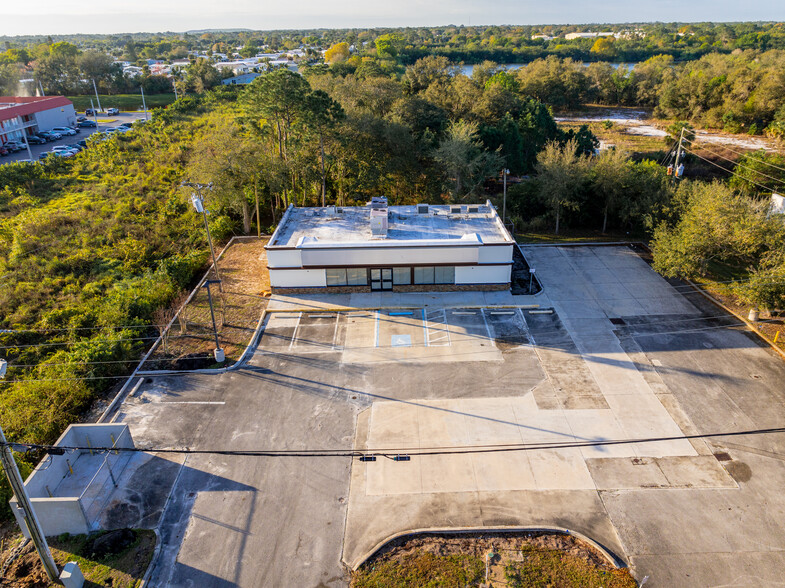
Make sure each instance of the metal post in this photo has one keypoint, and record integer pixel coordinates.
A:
(504, 202)
(95, 114)
(212, 312)
(531, 278)
(24, 136)
(144, 105)
(33, 526)
(174, 85)
(97, 99)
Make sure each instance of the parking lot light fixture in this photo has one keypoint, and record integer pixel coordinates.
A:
(198, 204)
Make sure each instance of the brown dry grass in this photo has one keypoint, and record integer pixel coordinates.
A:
(243, 270)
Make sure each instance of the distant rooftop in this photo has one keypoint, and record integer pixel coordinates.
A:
(352, 224)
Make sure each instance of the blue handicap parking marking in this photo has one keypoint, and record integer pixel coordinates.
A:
(401, 341)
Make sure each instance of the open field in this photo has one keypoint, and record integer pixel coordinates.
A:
(122, 101)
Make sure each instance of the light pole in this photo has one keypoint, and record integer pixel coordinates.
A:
(196, 200)
(18, 486)
(144, 104)
(218, 353)
(505, 172)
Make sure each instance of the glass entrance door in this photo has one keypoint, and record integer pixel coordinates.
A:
(381, 279)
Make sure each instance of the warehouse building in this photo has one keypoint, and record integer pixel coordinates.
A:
(397, 248)
(24, 115)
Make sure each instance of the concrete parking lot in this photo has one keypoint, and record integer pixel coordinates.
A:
(613, 352)
(111, 121)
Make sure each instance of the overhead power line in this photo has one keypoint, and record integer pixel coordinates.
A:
(752, 169)
(729, 171)
(764, 162)
(387, 452)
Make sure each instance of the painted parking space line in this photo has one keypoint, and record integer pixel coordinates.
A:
(297, 326)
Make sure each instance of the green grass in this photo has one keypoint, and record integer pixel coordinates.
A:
(421, 569)
(121, 570)
(122, 101)
(555, 568)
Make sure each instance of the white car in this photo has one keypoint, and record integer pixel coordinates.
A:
(64, 131)
(112, 111)
(64, 151)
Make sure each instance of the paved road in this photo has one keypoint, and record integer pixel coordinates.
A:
(36, 150)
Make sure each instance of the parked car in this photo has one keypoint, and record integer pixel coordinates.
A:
(110, 130)
(90, 112)
(64, 130)
(44, 154)
(14, 146)
(50, 135)
(35, 140)
(75, 147)
(87, 124)
(82, 144)
(4, 151)
(126, 125)
(112, 111)
(41, 135)
(81, 119)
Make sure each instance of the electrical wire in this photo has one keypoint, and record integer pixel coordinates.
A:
(742, 165)
(388, 452)
(28, 345)
(729, 171)
(748, 154)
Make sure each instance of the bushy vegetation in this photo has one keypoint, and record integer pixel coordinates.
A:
(422, 569)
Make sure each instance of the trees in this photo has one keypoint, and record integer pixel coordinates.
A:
(338, 53)
(466, 163)
(609, 176)
(322, 113)
(562, 174)
(201, 76)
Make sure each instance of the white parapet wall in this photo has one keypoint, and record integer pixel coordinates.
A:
(67, 491)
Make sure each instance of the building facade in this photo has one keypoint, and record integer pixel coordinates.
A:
(397, 248)
(21, 116)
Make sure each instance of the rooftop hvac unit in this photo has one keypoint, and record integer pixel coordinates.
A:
(379, 202)
(422, 209)
(379, 222)
(455, 210)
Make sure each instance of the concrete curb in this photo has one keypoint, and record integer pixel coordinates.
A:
(156, 551)
(611, 557)
(747, 322)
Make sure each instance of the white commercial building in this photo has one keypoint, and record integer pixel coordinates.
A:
(397, 248)
(26, 115)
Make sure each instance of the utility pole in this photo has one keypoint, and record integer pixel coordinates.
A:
(144, 105)
(218, 353)
(24, 136)
(174, 85)
(18, 486)
(196, 199)
(678, 157)
(95, 113)
(97, 99)
(504, 201)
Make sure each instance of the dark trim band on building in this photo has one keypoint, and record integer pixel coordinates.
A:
(385, 265)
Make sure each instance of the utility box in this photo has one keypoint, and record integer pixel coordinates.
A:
(72, 576)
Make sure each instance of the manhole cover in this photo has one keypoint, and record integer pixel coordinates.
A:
(617, 321)
(722, 456)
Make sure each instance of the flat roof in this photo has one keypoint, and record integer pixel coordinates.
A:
(353, 225)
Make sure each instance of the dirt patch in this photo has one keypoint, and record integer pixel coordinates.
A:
(512, 559)
(520, 278)
(119, 570)
(190, 344)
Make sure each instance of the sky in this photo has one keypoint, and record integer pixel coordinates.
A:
(58, 17)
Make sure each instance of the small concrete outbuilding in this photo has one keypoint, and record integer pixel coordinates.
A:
(69, 491)
(396, 248)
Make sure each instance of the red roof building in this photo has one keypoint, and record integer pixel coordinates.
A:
(27, 114)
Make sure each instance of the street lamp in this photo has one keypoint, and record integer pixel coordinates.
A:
(198, 202)
(218, 353)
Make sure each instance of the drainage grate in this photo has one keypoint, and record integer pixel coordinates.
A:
(618, 321)
(722, 456)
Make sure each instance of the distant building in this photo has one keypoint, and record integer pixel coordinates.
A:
(397, 248)
(25, 115)
(571, 36)
(543, 37)
(240, 80)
